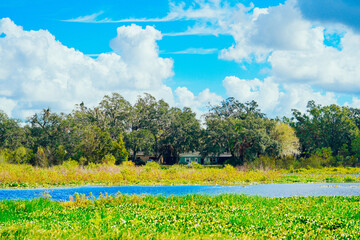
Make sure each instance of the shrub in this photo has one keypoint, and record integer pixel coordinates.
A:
(197, 165)
(153, 165)
(120, 152)
(139, 162)
(60, 154)
(4, 156)
(109, 159)
(41, 159)
(264, 162)
(82, 161)
(21, 155)
(287, 162)
(128, 163)
(229, 168)
(70, 163)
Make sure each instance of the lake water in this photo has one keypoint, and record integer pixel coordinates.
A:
(269, 190)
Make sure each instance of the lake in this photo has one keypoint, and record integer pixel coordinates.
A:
(269, 190)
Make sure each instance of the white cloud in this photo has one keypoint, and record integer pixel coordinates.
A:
(198, 103)
(7, 105)
(210, 9)
(36, 71)
(92, 18)
(201, 51)
(322, 66)
(266, 93)
(274, 99)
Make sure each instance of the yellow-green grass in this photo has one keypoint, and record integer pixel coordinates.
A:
(26, 176)
(183, 217)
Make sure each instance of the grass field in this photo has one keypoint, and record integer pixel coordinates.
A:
(183, 217)
(27, 176)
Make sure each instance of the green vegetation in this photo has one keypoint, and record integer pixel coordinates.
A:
(182, 217)
(70, 173)
(324, 136)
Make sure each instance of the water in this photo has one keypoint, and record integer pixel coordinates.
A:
(269, 190)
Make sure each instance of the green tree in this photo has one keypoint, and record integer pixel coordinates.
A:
(116, 114)
(46, 130)
(153, 116)
(93, 143)
(329, 126)
(239, 129)
(41, 159)
(182, 135)
(21, 155)
(139, 140)
(286, 136)
(12, 136)
(120, 152)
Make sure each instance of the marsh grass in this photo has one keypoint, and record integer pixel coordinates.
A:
(71, 174)
(182, 217)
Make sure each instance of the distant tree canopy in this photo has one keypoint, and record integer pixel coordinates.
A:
(116, 130)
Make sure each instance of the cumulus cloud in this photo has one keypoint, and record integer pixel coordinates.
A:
(266, 93)
(197, 103)
(273, 98)
(37, 71)
(322, 66)
(7, 105)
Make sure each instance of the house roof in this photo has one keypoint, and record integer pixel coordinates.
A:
(190, 154)
(197, 154)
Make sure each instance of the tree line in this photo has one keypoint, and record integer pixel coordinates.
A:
(115, 131)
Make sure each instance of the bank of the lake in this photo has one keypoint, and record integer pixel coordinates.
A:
(182, 217)
(27, 176)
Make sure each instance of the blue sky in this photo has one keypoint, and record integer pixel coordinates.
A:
(191, 53)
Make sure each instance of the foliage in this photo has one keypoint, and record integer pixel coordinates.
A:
(153, 116)
(183, 135)
(115, 112)
(152, 165)
(41, 159)
(109, 159)
(139, 162)
(182, 217)
(128, 164)
(4, 156)
(70, 173)
(286, 136)
(68, 164)
(239, 129)
(21, 155)
(322, 127)
(264, 162)
(151, 127)
(93, 144)
(11, 134)
(120, 153)
(139, 140)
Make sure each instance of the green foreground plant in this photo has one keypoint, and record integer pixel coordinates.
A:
(191, 216)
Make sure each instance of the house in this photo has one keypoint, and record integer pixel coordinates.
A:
(186, 158)
(143, 156)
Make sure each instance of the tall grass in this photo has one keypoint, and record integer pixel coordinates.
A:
(70, 173)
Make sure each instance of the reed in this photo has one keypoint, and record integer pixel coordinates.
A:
(70, 174)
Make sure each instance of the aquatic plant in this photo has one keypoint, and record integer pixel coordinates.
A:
(182, 217)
